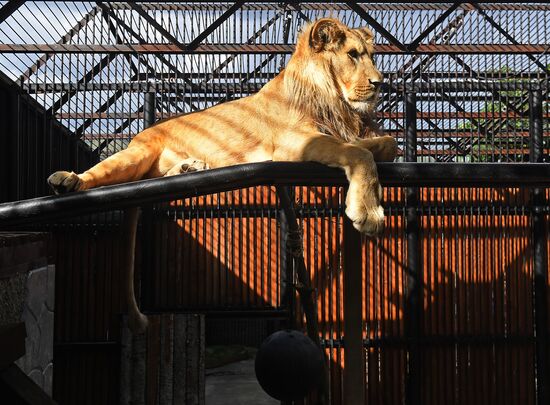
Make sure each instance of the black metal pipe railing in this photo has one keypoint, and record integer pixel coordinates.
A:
(353, 327)
(267, 173)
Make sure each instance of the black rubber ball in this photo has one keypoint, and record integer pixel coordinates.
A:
(289, 365)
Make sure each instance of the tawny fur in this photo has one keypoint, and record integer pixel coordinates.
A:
(320, 108)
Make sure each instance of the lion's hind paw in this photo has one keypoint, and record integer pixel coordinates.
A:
(187, 166)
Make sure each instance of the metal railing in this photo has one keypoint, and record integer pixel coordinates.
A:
(465, 83)
(410, 175)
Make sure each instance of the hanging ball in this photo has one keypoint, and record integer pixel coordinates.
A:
(289, 365)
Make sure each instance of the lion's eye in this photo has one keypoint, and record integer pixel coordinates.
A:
(353, 54)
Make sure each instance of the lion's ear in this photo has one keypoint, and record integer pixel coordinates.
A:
(326, 34)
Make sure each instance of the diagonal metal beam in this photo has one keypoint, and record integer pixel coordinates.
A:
(64, 39)
(298, 8)
(9, 8)
(445, 34)
(85, 79)
(231, 58)
(507, 35)
(164, 32)
(230, 11)
(118, 130)
(491, 128)
(141, 40)
(269, 58)
(156, 25)
(475, 74)
(194, 43)
(121, 23)
(375, 24)
(107, 13)
(414, 44)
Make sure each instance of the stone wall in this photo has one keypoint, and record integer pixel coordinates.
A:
(38, 317)
(27, 286)
(164, 365)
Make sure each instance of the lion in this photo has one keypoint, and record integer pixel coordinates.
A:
(319, 108)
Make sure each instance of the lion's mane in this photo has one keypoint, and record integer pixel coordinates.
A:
(311, 89)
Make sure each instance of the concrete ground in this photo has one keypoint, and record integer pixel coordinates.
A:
(235, 384)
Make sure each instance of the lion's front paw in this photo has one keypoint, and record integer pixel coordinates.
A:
(369, 221)
(64, 182)
(364, 210)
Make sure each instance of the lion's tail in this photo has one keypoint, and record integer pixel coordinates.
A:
(137, 321)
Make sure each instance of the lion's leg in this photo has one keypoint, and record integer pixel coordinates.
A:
(187, 166)
(364, 193)
(383, 148)
(127, 165)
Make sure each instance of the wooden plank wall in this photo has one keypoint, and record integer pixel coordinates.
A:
(165, 365)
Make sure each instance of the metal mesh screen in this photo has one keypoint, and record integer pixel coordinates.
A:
(472, 64)
(472, 69)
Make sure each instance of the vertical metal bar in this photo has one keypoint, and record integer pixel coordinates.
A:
(540, 253)
(147, 235)
(304, 288)
(17, 131)
(535, 126)
(354, 358)
(414, 277)
(410, 127)
(9, 139)
(287, 271)
(149, 107)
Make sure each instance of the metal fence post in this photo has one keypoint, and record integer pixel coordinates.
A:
(354, 357)
(146, 296)
(8, 137)
(16, 148)
(149, 107)
(414, 272)
(303, 286)
(540, 253)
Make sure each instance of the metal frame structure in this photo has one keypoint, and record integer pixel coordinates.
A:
(284, 174)
(464, 82)
(141, 38)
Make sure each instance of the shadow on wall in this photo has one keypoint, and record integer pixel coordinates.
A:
(477, 323)
(476, 328)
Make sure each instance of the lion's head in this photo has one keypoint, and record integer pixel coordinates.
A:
(332, 75)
